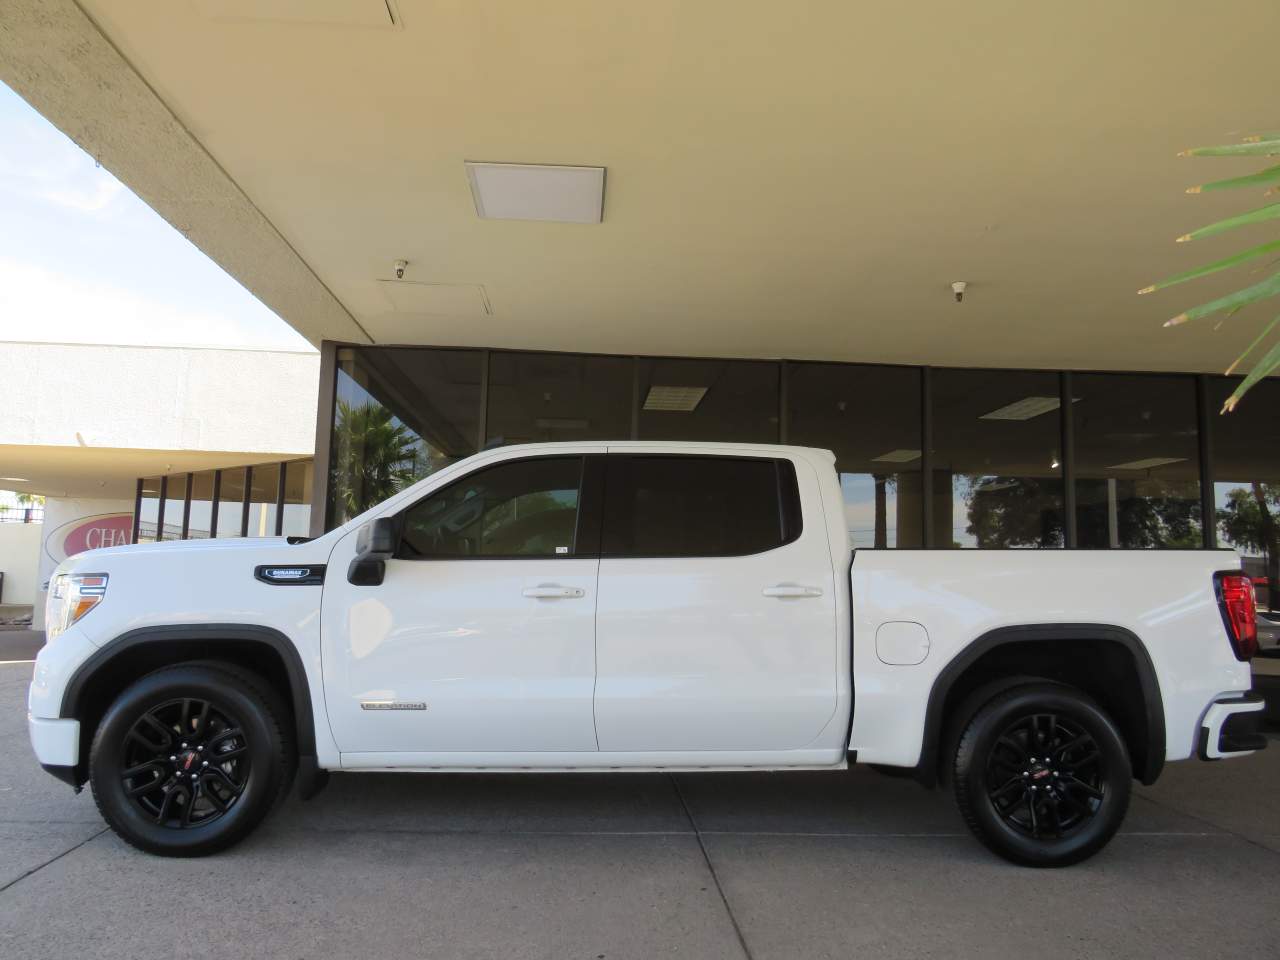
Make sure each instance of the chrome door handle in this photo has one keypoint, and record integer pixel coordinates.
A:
(792, 590)
(552, 591)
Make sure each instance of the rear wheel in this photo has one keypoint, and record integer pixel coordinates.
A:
(189, 759)
(1042, 775)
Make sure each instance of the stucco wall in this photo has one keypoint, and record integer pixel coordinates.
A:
(158, 398)
(19, 554)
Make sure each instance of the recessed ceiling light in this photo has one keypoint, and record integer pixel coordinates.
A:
(1146, 464)
(1024, 409)
(530, 191)
(897, 456)
(677, 399)
(16, 479)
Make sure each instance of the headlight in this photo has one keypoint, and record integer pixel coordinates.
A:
(71, 596)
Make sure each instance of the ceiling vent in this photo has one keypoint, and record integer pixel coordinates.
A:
(674, 399)
(1148, 464)
(439, 299)
(1024, 409)
(342, 13)
(897, 456)
(527, 191)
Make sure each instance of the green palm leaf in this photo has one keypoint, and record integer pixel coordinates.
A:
(1224, 264)
(1270, 175)
(1232, 301)
(1254, 148)
(1267, 365)
(1253, 346)
(1269, 212)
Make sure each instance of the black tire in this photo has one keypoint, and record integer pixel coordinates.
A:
(155, 787)
(1042, 776)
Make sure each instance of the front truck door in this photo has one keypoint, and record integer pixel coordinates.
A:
(716, 619)
(481, 637)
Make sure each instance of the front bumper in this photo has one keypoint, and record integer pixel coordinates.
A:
(1230, 727)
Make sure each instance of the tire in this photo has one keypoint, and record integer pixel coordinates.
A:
(1042, 775)
(154, 786)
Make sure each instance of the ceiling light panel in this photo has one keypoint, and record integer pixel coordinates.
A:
(1024, 409)
(1147, 464)
(897, 456)
(674, 399)
(526, 191)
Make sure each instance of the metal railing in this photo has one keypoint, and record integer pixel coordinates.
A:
(21, 514)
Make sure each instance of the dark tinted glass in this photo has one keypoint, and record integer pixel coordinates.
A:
(1137, 461)
(718, 400)
(399, 415)
(695, 506)
(1246, 488)
(526, 508)
(997, 459)
(541, 397)
(870, 418)
(201, 506)
(149, 511)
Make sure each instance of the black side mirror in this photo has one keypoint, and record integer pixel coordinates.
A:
(375, 544)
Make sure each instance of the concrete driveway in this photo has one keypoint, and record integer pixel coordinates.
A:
(637, 866)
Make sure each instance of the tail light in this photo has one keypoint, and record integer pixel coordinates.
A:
(1239, 613)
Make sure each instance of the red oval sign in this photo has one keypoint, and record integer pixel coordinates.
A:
(113, 530)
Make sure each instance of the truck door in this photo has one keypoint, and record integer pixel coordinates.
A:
(716, 614)
(481, 637)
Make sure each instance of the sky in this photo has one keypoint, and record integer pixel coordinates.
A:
(83, 260)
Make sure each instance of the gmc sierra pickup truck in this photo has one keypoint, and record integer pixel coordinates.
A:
(627, 607)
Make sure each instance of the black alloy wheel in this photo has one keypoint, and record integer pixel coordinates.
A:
(186, 762)
(189, 759)
(1042, 775)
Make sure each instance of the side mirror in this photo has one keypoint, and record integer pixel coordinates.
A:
(375, 544)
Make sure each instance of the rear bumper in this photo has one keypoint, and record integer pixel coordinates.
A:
(1230, 727)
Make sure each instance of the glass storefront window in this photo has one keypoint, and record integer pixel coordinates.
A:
(175, 502)
(149, 510)
(297, 498)
(716, 400)
(399, 415)
(541, 397)
(230, 502)
(201, 506)
(1137, 461)
(1246, 487)
(997, 459)
(264, 489)
(870, 417)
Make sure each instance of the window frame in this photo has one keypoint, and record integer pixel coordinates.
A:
(588, 534)
(787, 490)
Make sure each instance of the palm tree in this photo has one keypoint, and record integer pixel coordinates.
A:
(374, 456)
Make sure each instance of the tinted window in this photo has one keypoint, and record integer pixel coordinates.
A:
(697, 506)
(525, 508)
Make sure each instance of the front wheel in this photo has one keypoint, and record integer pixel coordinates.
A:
(1042, 775)
(190, 758)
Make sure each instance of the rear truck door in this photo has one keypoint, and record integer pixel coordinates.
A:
(716, 613)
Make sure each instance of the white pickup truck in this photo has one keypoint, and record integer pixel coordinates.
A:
(635, 607)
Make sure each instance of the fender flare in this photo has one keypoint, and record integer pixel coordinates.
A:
(1153, 702)
(300, 689)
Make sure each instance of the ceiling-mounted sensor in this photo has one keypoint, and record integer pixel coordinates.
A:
(958, 289)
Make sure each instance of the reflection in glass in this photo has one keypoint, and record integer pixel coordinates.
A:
(175, 501)
(1137, 461)
(546, 397)
(297, 498)
(1246, 487)
(231, 503)
(262, 500)
(201, 506)
(149, 510)
(870, 418)
(997, 465)
(399, 415)
(715, 400)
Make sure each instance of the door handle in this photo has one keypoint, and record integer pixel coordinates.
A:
(783, 590)
(553, 591)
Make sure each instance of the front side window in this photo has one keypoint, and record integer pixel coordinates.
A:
(524, 508)
(683, 506)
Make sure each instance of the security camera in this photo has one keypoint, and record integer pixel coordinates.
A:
(400, 268)
(958, 289)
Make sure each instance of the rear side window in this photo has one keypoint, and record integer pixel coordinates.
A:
(522, 508)
(675, 506)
